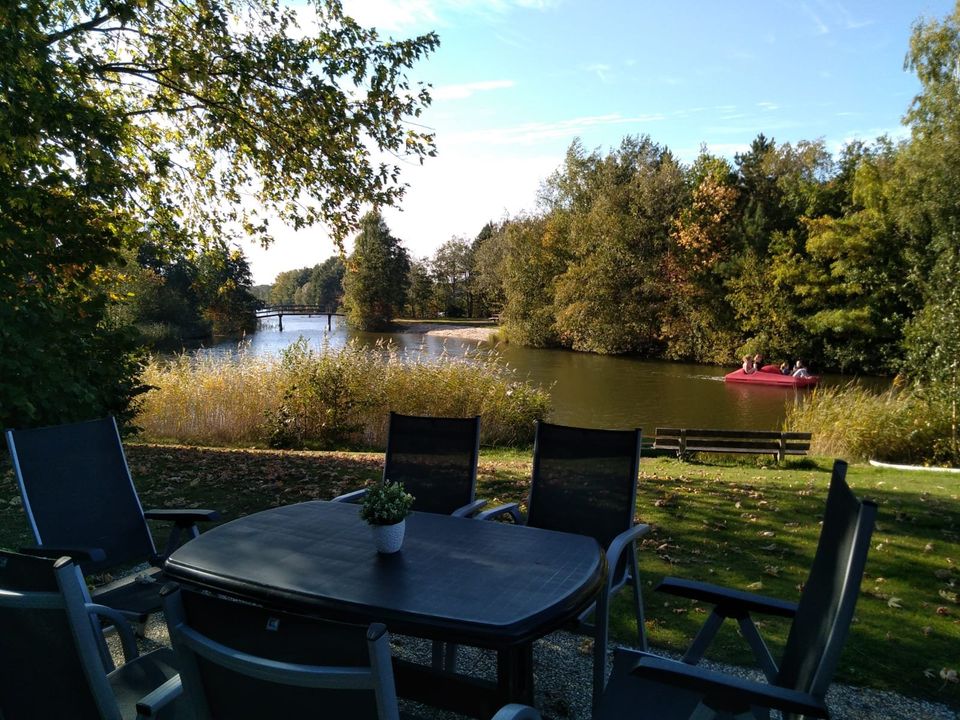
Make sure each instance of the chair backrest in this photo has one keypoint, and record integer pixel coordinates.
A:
(826, 606)
(435, 458)
(50, 664)
(77, 490)
(584, 480)
(237, 659)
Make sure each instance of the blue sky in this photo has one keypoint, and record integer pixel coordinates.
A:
(515, 81)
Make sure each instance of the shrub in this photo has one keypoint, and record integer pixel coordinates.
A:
(853, 422)
(332, 397)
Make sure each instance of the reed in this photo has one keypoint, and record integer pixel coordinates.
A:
(331, 398)
(855, 423)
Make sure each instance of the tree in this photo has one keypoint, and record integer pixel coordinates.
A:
(324, 287)
(489, 255)
(420, 293)
(287, 284)
(610, 297)
(375, 284)
(697, 323)
(536, 253)
(123, 120)
(222, 285)
(928, 211)
(451, 268)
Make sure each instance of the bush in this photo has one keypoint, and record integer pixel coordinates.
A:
(331, 397)
(898, 425)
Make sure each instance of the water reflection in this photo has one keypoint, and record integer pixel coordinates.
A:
(587, 390)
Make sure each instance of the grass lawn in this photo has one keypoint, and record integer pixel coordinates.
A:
(741, 525)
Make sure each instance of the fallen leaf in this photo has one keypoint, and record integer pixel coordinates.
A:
(894, 602)
(949, 675)
(928, 547)
(755, 586)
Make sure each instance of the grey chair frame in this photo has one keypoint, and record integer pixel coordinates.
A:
(184, 520)
(83, 618)
(625, 542)
(189, 644)
(750, 699)
(466, 510)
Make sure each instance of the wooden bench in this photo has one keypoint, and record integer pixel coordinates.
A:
(685, 441)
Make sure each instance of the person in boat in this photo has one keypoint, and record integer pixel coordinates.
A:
(785, 368)
(800, 370)
(758, 362)
(748, 366)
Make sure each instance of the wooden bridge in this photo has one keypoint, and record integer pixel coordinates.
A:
(278, 311)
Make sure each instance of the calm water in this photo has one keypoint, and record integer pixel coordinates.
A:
(589, 390)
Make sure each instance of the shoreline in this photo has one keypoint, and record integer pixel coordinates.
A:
(476, 333)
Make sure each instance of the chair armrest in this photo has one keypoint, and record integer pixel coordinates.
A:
(75, 552)
(730, 603)
(119, 621)
(723, 689)
(183, 517)
(511, 509)
(618, 545)
(150, 705)
(513, 711)
(351, 497)
(469, 509)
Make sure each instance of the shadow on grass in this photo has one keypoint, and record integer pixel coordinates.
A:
(739, 525)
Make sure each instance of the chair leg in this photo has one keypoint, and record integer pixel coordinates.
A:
(450, 658)
(703, 639)
(760, 650)
(638, 598)
(601, 632)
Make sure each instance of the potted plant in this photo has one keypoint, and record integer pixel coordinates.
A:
(385, 507)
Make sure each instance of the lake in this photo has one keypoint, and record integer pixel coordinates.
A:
(589, 390)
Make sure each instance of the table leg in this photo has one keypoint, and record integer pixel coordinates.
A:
(515, 674)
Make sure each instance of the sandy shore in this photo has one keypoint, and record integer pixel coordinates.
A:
(461, 332)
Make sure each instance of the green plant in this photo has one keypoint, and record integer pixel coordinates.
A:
(386, 503)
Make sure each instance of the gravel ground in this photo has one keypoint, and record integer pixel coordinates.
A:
(563, 665)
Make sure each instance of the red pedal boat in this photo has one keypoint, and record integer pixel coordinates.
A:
(770, 375)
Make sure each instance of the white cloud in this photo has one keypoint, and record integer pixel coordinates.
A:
(601, 70)
(768, 106)
(402, 15)
(530, 133)
(393, 15)
(819, 24)
(465, 90)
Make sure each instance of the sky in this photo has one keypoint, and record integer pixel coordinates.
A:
(514, 82)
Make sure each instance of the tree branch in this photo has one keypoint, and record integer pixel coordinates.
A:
(76, 29)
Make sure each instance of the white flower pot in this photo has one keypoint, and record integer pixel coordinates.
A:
(388, 538)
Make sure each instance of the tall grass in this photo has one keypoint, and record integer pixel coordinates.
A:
(331, 397)
(208, 400)
(897, 425)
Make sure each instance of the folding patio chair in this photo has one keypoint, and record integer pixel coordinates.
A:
(585, 482)
(239, 660)
(436, 460)
(647, 686)
(80, 501)
(53, 659)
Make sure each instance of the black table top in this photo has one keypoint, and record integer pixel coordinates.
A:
(483, 583)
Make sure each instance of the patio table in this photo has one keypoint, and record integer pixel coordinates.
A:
(485, 584)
